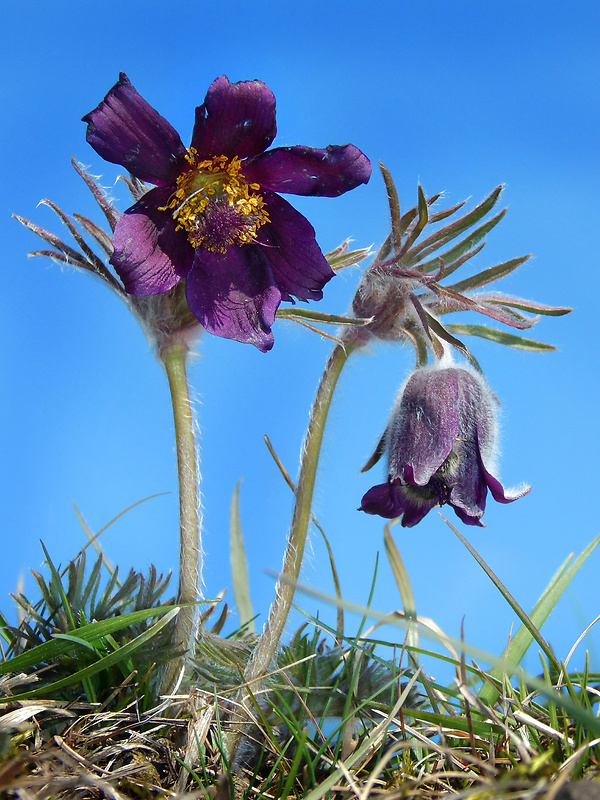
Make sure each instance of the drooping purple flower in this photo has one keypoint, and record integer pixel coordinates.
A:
(214, 218)
(440, 444)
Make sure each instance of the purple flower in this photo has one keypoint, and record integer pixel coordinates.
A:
(440, 444)
(214, 218)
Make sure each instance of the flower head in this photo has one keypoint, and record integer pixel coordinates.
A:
(214, 218)
(440, 443)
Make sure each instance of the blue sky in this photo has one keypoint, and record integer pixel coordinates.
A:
(460, 96)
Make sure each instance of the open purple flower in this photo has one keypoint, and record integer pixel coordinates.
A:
(214, 218)
(440, 444)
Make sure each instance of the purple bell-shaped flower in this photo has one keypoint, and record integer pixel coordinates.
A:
(441, 449)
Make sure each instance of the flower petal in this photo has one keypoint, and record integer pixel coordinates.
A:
(467, 518)
(150, 256)
(415, 511)
(289, 245)
(309, 171)
(382, 500)
(469, 489)
(425, 424)
(236, 119)
(499, 493)
(391, 500)
(234, 295)
(126, 130)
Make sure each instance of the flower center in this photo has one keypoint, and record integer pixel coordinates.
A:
(215, 205)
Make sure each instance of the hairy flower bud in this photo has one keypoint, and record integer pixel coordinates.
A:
(385, 301)
(441, 448)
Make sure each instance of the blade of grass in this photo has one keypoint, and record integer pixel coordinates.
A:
(403, 583)
(66, 606)
(367, 744)
(527, 622)
(392, 618)
(92, 537)
(107, 661)
(239, 565)
(295, 765)
(529, 630)
(88, 633)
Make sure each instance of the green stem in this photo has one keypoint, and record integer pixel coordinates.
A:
(264, 652)
(190, 553)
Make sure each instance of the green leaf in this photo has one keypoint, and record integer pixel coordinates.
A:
(406, 220)
(104, 663)
(377, 453)
(75, 640)
(528, 305)
(384, 250)
(366, 747)
(56, 581)
(445, 235)
(454, 265)
(438, 216)
(502, 337)
(423, 218)
(444, 334)
(488, 275)
(93, 632)
(458, 723)
(455, 253)
(239, 565)
(394, 205)
(66, 606)
(343, 257)
(319, 316)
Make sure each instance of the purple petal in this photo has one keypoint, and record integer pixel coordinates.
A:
(126, 130)
(391, 500)
(150, 256)
(499, 493)
(307, 170)
(234, 295)
(289, 245)
(381, 500)
(415, 512)
(236, 119)
(469, 491)
(467, 518)
(425, 425)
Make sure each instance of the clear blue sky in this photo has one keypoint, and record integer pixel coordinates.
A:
(462, 96)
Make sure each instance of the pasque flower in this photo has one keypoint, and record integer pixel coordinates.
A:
(214, 218)
(440, 443)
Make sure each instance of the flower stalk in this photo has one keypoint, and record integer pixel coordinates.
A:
(268, 642)
(174, 360)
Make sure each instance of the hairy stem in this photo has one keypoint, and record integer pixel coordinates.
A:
(292, 561)
(190, 553)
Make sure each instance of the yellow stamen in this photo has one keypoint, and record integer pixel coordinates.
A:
(215, 205)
